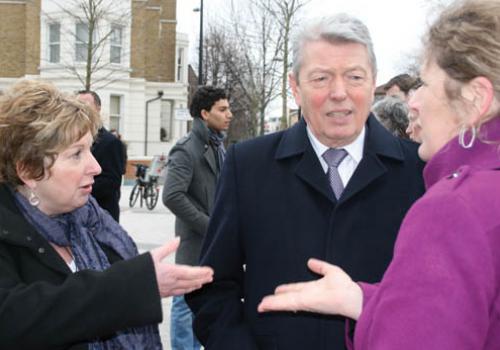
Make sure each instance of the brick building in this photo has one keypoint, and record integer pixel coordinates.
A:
(141, 54)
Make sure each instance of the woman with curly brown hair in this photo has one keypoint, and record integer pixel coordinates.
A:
(70, 276)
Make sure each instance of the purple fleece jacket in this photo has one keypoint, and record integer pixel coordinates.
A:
(442, 289)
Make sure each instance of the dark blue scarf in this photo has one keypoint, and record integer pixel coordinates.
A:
(84, 230)
(217, 139)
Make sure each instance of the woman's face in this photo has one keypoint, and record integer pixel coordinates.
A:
(68, 183)
(437, 118)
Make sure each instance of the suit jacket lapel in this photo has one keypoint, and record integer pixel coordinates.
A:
(378, 142)
(295, 143)
(368, 170)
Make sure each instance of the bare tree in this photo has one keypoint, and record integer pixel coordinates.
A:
(285, 13)
(247, 67)
(97, 41)
(410, 63)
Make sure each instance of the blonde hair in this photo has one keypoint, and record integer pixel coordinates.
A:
(465, 43)
(37, 122)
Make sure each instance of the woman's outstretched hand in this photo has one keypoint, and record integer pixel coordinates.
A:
(335, 293)
(177, 279)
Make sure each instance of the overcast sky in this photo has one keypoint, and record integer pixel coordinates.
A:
(396, 26)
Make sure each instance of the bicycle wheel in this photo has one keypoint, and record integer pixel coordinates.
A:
(151, 197)
(134, 195)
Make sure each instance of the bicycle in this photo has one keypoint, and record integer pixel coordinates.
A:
(148, 190)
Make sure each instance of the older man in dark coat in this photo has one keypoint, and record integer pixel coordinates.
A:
(335, 187)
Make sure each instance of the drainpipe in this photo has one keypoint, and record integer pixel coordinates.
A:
(160, 94)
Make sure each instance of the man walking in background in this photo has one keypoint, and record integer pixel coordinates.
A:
(193, 168)
(109, 153)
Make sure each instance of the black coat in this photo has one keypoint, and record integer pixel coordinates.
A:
(274, 210)
(44, 306)
(110, 154)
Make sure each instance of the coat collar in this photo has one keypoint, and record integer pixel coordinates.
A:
(484, 154)
(15, 230)
(200, 130)
(378, 141)
(379, 144)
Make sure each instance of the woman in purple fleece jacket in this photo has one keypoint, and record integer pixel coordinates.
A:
(442, 289)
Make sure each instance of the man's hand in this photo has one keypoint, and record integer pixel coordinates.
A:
(177, 279)
(335, 293)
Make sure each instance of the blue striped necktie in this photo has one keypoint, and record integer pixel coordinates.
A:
(333, 158)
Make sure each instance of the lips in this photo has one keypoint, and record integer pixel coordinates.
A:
(87, 187)
(339, 114)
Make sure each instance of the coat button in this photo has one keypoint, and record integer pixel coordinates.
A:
(206, 146)
(5, 232)
(29, 238)
(41, 250)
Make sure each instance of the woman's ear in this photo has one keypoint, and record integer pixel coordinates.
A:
(24, 176)
(479, 91)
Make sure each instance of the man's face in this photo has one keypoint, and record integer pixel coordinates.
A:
(219, 116)
(395, 91)
(89, 99)
(335, 90)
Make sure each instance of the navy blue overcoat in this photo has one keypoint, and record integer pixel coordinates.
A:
(274, 210)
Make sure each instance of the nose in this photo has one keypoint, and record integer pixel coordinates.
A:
(409, 129)
(94, 168)
(337, 89)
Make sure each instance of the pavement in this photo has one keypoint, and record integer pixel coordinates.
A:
(150, 229)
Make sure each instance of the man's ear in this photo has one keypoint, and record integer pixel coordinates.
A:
(480, 92)
(294, 85)
(204, 114)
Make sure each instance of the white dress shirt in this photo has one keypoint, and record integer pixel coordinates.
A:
(348, 165)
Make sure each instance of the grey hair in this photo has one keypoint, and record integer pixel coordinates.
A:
(339, 28)
(392, 113)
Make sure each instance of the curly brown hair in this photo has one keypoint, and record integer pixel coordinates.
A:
(37, 122)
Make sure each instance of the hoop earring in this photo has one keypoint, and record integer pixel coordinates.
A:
(461, 137)
(33, 199)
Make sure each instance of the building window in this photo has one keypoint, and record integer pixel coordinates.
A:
(115, 112)
(115, 55)
(180, 59)
(54, 42)
(82, 41)
(166, 120)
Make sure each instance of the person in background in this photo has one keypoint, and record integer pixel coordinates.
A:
(392, 113)
(70, 276)
(401, 86)
(115, 133)
(109, 153)
(194, 165)
(442, 289)
(413, 130)
(335, 186)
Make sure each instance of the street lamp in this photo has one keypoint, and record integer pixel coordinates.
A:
(200, 53)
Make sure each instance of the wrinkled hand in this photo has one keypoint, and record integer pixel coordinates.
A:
(177, 279)
(335, 293)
